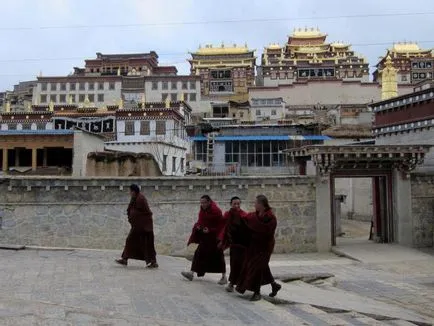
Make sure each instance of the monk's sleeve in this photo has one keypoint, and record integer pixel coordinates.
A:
(216, 214)
(222, 236)
(143, 206)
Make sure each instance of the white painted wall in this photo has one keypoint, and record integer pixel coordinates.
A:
(159, 151)
(419, 137)
(325, 93)
(111, 97)
(84, 143)
(358, 203)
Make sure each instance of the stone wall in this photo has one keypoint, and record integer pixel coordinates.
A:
(90, 212)
(422, 204)
(121, 164)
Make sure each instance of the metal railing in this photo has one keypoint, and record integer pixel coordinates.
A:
(215, 169)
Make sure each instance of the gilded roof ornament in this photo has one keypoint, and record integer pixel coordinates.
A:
(51, 106)
(167, 103)
(389, 80)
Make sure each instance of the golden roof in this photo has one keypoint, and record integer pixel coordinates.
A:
(274, 46)
(310, 49)
(406, 48)
(210, 50)
(339, 45)
(307, 33)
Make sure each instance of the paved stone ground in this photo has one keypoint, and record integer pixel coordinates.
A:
(85, 287)
(401, 279)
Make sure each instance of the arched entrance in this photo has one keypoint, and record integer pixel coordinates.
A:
(389, 166)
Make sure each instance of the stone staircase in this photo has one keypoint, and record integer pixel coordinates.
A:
(299, 314)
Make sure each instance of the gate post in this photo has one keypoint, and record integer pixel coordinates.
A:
(323, 213)
(401, 207)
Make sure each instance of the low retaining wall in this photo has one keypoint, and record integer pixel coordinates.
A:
(91, 212)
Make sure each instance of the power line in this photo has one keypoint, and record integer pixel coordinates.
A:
(213, 22)
(180, 54)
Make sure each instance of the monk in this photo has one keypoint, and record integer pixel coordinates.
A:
(140, 241)
(235, 235)
(256, 271)
(208, 257)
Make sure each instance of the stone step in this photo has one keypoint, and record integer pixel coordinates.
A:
(399, 323)
(357, 319)
(284, 317)
(315, 316)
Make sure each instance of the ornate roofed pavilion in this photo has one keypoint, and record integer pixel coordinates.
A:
(389, 166)
(332, 159)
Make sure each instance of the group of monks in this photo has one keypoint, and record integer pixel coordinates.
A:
(249, 237)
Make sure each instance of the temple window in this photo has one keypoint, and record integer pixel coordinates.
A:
(173, 97)
(43, 98)
(129, 128)
(403, 78)
(72, 98)
(184, 85)
(91, 97)
(53, 86)
(81, 98)
(101, 86)
(164, 96)
(160, 127)
(165, 85)
(273, 112)
(72, 86)
(100, 97)
(220, 74)
(258, 112)
(26, 126)
(174, 86)
(154, 85)
(164, 165)
(82, 86)
(91, 86)
(63, 86)
(53, 98)
(62, 98)
(192, 97)
(44, 86)
(111, 86)
(40, 126)
(145, 128)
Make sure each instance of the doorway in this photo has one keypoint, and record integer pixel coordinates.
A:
(362, 212)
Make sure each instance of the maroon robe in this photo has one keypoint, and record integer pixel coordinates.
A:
(140, 241)
(235, 235)
(256, 271)
(208, 257)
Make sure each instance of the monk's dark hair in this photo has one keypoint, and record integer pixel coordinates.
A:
(264, 201)
(235, 198)
(208, 198)
(135, 188)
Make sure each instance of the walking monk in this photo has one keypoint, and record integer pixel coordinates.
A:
(208, 257)
(256, 271)
(140, 241)
(236, 236)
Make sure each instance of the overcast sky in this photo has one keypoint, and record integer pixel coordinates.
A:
(57, 50)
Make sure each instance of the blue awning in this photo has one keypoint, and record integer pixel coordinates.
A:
(255, 138)
(37, 132)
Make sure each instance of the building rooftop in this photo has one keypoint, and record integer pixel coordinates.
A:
(307, 33)
(209, 49)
